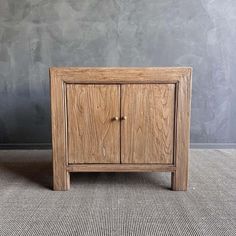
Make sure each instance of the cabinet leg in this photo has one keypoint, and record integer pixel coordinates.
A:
(61, 180)
(179, 181)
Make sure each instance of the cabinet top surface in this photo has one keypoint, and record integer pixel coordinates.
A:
(120, 74)
(61, 69)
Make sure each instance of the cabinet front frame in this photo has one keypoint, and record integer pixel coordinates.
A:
(60, 77)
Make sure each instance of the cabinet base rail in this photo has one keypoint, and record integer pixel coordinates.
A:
(179, 181)
(120, 168)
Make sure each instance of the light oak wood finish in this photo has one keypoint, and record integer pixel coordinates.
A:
(120, 168)
(180, 176)
(148, 132)
(158, 140)
(121, 74)
(61, 178)
(93, 131)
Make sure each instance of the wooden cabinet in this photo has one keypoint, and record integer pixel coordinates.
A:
(120, 119)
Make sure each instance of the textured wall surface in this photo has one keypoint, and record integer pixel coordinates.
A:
(37, 34)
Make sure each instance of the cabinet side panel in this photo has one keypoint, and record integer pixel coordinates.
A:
(147, 135)
(93, 133)
(180, 176)
(58, 119)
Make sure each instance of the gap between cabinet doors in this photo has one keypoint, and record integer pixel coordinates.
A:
(122, 87)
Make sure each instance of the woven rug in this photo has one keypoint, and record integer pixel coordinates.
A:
(117, 203)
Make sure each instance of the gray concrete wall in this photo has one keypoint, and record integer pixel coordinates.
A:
(37, 34)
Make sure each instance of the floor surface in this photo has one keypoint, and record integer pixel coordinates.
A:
(117, 203)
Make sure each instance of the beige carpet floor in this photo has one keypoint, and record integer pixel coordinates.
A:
(117, 203)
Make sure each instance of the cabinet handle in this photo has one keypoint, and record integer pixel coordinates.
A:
(124, 118)
(115, 118)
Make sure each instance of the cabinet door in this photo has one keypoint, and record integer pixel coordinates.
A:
(147, 133)
(93, 132)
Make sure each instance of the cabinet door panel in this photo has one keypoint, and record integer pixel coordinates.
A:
(147, 135)
(93, 133)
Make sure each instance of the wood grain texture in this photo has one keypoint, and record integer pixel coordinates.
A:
(147, 134)
(121, 75)
(180, 176)
(93, 133)
(61, 178)
(169, 103)
(120, 168)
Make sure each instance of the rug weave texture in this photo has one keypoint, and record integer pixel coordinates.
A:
(117, 203)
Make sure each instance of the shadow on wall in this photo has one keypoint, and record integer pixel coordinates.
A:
(3, 133)
(26, 120)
